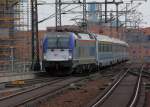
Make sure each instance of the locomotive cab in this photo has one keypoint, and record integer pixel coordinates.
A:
(57, 52)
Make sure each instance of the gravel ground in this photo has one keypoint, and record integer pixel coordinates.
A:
(77, 95)
(147, 103)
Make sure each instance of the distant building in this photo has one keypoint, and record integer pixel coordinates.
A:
(92, 14)
(139, 46)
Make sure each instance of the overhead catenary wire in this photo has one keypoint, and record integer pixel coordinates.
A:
(53, 15)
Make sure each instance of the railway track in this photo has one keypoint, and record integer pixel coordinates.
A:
(13, 87)
(33, 95)
(38, 94)
(29, 82)
(145, 74)
(123, 93)
(134, 99)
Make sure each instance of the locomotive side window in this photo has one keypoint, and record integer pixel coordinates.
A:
(105, 47)
(99, 47)
(92, 51)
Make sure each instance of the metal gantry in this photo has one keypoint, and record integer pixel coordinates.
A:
(59, 3)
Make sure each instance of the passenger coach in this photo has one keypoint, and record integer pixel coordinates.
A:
(110, 50)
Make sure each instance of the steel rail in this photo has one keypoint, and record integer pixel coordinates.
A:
(49, 93)
(110, 90)
(136, 94)
(60, 84)
(32, 89)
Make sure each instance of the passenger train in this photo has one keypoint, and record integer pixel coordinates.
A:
(78, 52)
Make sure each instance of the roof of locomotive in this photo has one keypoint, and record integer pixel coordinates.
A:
(76, 35)
(54, 34)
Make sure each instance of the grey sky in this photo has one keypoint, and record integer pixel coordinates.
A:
(46, 10)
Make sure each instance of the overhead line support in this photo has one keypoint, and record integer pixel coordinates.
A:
(35, 39)
(58, 14)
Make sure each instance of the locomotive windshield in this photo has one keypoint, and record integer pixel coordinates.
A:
(58, 42)
(52, 43)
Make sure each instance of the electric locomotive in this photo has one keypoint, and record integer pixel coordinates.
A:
(67, 52)
(80, 52)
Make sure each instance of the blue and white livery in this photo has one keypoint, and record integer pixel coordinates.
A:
(78, 52)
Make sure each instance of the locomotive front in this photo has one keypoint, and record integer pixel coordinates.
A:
(58, 52)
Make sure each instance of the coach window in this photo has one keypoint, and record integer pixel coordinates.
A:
(103, 47)
(107, 47)
(99, 47)
(110, 47)
(118, 47)
(121, 48)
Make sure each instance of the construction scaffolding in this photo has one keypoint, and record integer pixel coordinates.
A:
(14, 21)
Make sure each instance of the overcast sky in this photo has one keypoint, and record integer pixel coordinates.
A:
(46, 10)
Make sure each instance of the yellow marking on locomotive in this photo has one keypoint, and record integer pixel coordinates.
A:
(18, 82)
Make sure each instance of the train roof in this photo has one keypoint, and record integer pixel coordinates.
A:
(88, 36)
(51, 34)
(105, 38)
(77, 35)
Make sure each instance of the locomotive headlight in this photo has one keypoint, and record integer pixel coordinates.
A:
(70, 57)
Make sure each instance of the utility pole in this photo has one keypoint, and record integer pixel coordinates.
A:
(100, 12)
(58, 14)
(35, 41)
(105, 11)
(127, 4)
(59, 3)
(84, 16)
(117, 15)
(111, 16)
